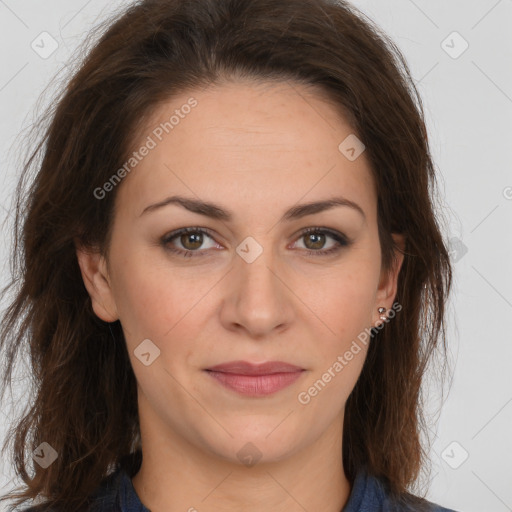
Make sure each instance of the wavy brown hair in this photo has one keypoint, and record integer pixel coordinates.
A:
(83, 396)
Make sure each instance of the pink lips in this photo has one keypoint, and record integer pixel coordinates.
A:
(255, 379)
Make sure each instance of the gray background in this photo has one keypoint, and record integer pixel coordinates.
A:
(468, 102)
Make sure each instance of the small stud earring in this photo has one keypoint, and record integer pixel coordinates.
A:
(382, 310)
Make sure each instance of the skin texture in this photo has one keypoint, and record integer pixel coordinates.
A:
(257, 150)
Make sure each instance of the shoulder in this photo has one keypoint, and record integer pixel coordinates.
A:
(371, 494)
(106, 497)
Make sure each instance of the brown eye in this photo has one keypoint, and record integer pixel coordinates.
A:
(191, 241)
(314, 240)
(188, 242)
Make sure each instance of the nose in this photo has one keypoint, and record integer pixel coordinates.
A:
(258, 299)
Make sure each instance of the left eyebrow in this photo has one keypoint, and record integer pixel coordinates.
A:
(216, 211)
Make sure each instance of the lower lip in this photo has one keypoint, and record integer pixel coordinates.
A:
(256, 385)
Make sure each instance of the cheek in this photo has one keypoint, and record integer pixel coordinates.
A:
(168, 316)
(342, 300)
(154, 300)
(162, 301)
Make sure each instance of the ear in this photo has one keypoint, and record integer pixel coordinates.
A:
(93, 267)
(388, 283)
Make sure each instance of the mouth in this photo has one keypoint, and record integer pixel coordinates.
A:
(255, 380)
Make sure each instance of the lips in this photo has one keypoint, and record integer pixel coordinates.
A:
(246, 368)
(255, 380)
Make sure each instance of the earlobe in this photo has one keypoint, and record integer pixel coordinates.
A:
(96, 280)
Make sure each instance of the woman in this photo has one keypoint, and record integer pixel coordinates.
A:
(231, 273)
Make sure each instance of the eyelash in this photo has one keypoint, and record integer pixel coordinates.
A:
(342, 241)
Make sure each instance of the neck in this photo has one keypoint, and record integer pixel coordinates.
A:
(178, 476)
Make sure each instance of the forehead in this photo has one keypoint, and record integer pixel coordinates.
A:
(249, 145)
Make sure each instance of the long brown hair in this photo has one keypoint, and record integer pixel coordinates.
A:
(84, 400)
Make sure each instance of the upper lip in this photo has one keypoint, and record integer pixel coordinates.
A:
(246, 368)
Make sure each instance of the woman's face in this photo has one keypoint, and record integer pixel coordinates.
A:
(251, 285)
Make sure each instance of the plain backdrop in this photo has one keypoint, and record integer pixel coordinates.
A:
(460, 55)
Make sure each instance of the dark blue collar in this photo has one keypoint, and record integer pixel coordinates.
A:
(369, 494)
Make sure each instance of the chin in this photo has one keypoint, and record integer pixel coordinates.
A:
(255, 442)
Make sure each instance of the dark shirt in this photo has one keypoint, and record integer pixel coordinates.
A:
(117, 494)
